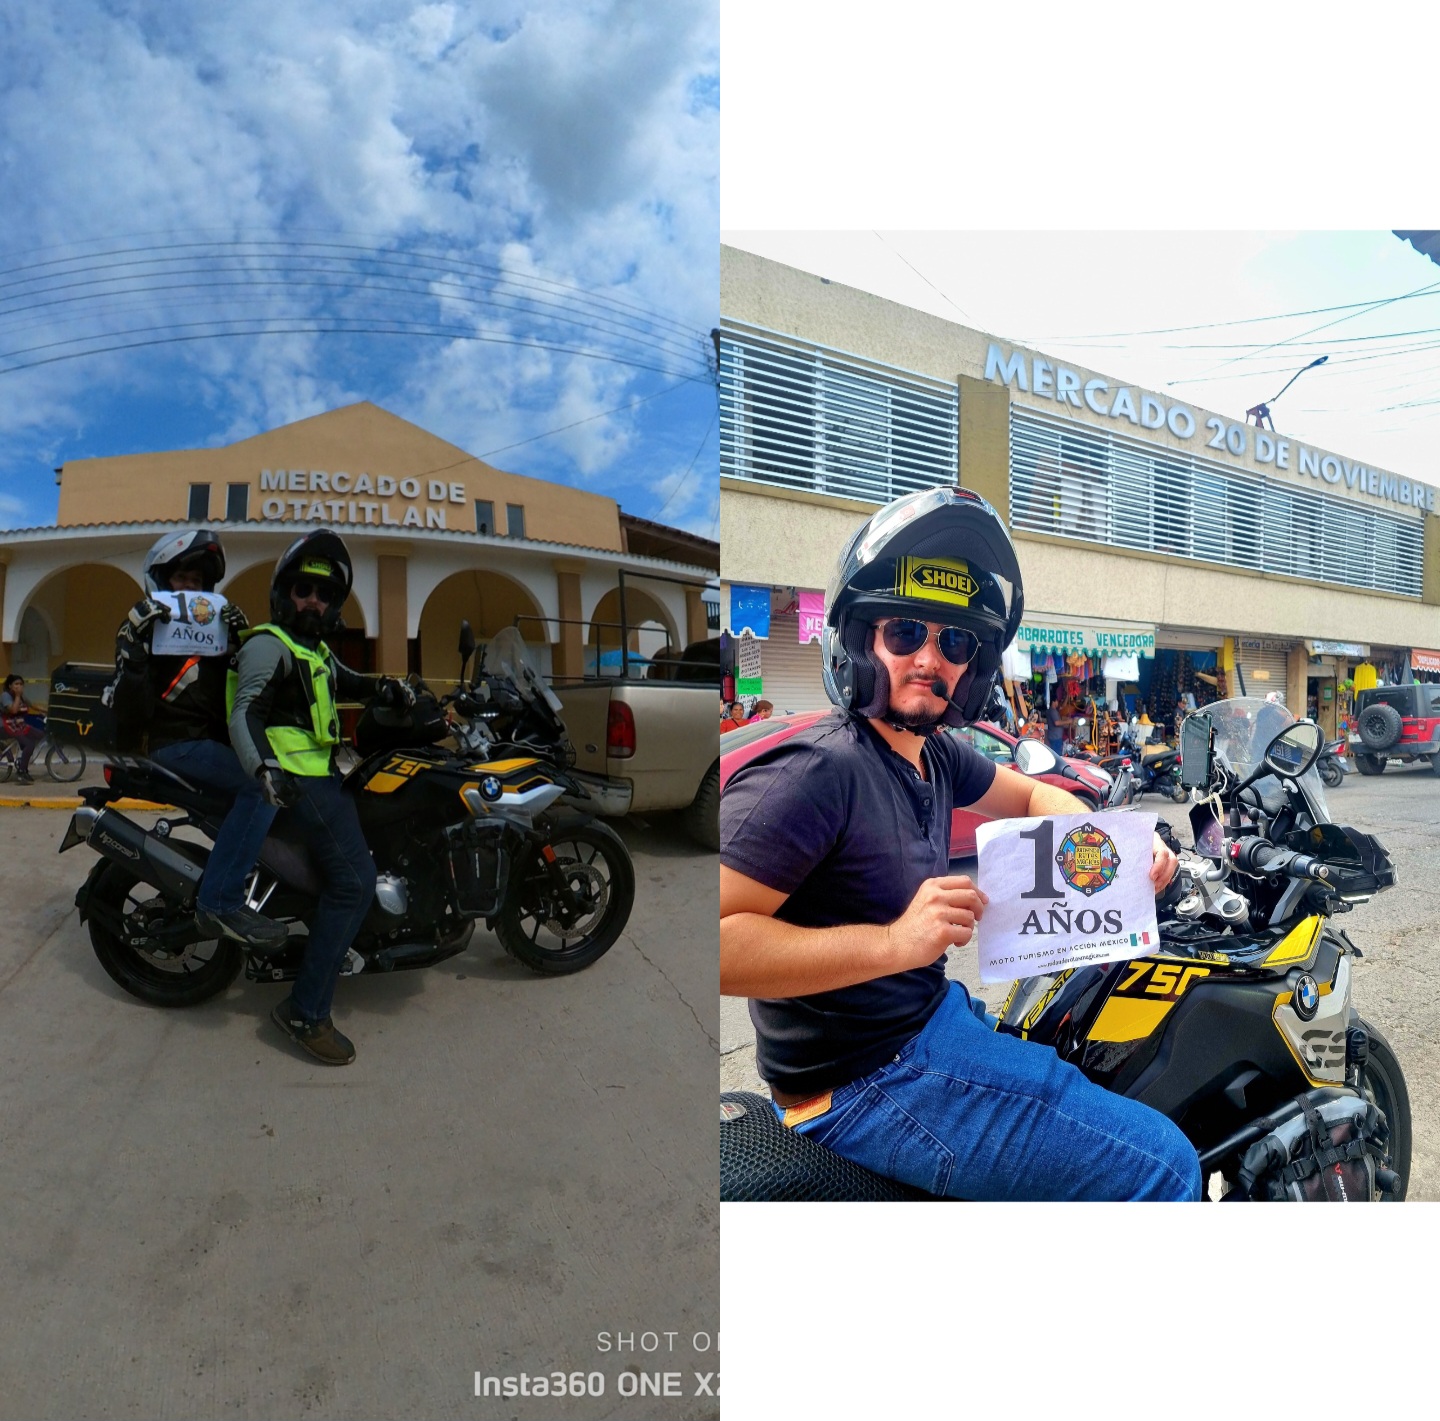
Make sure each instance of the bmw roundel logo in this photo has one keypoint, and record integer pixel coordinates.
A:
(490, 787)
(1307, 997)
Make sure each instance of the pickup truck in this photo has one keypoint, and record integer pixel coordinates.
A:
(655, 733)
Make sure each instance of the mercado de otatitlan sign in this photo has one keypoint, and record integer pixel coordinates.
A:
(362, 498)
(1038, 376)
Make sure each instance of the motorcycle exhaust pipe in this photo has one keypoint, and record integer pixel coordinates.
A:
(123, 841)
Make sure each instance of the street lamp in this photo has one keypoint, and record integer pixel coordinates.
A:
(1261, 412)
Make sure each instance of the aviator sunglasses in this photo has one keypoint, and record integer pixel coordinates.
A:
(904, 636)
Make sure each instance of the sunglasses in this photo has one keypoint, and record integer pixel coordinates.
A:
(321, 591)
(904, 636)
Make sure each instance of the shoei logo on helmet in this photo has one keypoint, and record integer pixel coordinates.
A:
(316, 567)
(943, 580)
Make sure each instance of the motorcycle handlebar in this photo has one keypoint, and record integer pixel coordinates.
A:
(1255, 855)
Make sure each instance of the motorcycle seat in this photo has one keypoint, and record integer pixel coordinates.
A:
(760, 1159)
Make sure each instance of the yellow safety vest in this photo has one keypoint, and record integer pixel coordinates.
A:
(302, 750)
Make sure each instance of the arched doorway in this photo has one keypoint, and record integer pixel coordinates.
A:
(651, 629)
(488, 601)
(80, 609)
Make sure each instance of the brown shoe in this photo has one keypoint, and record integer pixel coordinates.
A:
(319, 1038)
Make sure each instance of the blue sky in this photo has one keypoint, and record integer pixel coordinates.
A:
(494, 219)
(1092, 296)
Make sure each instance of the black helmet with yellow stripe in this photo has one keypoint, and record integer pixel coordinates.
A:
(320, 557)
(940, 555)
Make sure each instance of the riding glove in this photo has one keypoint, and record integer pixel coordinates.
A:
(281, 788)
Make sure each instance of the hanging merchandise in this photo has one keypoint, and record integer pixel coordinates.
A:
(1122, 668)
(747, 683)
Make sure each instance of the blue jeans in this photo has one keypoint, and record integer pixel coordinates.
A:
(332, 834)
(237, 843)
(973, 1114)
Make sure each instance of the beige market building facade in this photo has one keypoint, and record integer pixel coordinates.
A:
(1145, 526)
(436, 535)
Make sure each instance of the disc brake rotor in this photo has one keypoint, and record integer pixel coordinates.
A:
(585, 881)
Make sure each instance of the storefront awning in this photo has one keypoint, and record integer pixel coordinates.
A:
(1421, 660)
(1084, 636)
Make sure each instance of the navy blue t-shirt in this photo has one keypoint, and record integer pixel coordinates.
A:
(848, 829)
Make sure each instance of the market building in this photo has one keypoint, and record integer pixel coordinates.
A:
(436, 534)
(1168, 552)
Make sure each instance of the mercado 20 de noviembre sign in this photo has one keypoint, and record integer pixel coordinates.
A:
(1037, 376)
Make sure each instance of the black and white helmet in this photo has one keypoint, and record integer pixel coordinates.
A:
(940, 555)
(194, 547)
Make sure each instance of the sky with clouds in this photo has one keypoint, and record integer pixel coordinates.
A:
(496, 220)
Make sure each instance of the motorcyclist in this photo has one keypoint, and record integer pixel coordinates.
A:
(171, 706)
(284, 724)
(838, 908)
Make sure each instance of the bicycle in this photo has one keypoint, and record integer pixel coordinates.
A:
(63, 763)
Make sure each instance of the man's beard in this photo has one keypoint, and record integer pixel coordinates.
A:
(916, 720)
(308, 624)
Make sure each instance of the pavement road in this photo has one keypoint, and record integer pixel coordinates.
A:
(1397, 983)
(201, 1222)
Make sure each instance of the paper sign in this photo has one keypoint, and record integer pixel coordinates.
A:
(194, 628)
(1065, 891)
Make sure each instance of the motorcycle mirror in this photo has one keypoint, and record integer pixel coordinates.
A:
(1295, 749)
(467, 647)
(1034, 757)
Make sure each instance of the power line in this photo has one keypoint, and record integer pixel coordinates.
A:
(684, 478)
(619, 409)
(923, 277)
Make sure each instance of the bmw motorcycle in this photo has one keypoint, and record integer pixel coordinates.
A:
(1241, 1027)
(496, 829)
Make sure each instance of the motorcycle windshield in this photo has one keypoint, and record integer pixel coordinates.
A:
(508, 654)
(1245, 726)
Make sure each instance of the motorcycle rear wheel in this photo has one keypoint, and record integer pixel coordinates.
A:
(203, 971)
(1384, 1086)
(597, 865)
(1331, 773)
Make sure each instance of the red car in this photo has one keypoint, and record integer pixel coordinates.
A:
(739, 746)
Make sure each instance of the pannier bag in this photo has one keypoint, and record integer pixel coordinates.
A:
(1331, 1151)
(76, 714)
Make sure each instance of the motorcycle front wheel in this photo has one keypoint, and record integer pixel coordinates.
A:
(1384, 1086)
(164, 979)
(555, 930)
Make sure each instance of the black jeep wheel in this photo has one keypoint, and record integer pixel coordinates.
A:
(1380, 727)
(1370, 764)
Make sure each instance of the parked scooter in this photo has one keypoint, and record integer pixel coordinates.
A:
(1331, 764)
(1154, 771)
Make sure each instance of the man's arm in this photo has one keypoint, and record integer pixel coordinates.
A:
(761, 956)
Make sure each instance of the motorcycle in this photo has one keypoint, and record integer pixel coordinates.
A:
(1155, 771)
(496, 830)
(1241, 1027)
(1331, 764)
